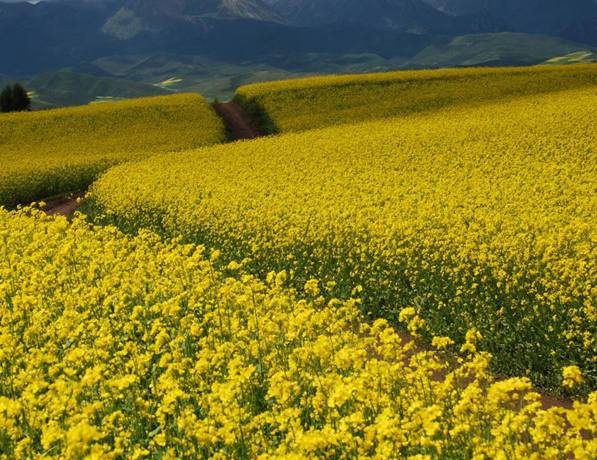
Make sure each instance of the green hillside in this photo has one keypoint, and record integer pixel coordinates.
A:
(220, 79)
(578, 57)
(67, 88)
(499, 49)
(136, 75)
(200, 74)
(71, 88)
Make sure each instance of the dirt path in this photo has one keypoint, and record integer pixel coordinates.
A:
(65, 206)
(238, 123)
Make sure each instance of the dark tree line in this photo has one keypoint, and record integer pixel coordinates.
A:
(14, 98)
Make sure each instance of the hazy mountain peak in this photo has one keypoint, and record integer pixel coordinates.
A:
(256, 9)
(54, 34)
(137, 16)
(459, 7)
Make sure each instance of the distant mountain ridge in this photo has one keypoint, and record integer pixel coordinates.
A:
(404, 15)
(554, 17)
(458, 7)
(137, 16)
(573, 19)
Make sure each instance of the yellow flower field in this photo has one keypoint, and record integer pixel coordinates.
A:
(57, 151)
(471, 217)
(315, 102)
(118, 347)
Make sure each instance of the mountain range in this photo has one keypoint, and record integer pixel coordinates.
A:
(553, 17)
(288, 37)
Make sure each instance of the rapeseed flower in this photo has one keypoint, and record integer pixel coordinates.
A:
(129, 347)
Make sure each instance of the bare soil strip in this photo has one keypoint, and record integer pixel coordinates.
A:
(548, 400)
(238, 123)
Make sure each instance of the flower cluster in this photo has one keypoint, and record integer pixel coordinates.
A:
(474, 217)
(58, 151)
(129, 347)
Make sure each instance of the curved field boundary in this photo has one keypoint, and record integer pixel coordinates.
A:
(297, 105)
(239, 126)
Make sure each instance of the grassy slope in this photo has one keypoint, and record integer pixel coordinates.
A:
(579, 57)
(220, 79)
(72, 88)
(125, 76)
(68, 88)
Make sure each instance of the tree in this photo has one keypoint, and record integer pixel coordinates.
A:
(14, 99)
(6, 99)
(20, 99)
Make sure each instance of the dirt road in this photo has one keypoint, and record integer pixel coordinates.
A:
(238, 123)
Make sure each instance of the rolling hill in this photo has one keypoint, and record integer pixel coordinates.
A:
(505, 48)
(573, 19)
(66, 87)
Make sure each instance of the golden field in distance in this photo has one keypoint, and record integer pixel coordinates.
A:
(474, 217)
(316, 102)
(58, 151)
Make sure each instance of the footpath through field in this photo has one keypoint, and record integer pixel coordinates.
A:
(239, 126)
